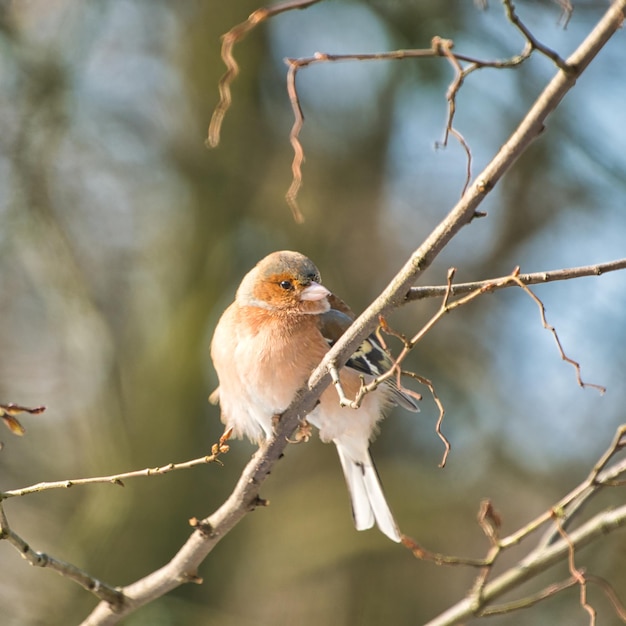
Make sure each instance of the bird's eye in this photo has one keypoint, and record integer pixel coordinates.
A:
(285, 284)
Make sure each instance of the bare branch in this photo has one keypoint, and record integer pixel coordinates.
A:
(112, 596)
(524, 603)
(545, 552)
(118, 479)
(597, 477)
(515, 20)
(459, 289)
(439, 48)
(531, 565)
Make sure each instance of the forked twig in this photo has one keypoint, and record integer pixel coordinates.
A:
(549, 327)
(531, 39)
(446, 307)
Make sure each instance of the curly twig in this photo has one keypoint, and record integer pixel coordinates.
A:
(233, 36)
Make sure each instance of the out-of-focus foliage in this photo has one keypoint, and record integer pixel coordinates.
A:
(123, 238)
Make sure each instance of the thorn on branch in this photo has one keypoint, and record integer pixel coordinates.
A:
(201, 525)
(258, 502)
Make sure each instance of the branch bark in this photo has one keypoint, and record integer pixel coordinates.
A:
(183, 567)
(536, 562)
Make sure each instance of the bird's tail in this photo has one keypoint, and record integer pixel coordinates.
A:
(368, 500)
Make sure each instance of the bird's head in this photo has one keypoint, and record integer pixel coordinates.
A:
(285, 281)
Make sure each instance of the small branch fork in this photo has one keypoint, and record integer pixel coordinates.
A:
(470, 291)
(440, 48)
(551, 548)
(111, 595)
(8, 413)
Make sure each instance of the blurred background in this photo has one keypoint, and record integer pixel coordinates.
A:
(122, 239)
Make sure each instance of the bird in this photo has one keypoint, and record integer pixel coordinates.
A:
(264, 348)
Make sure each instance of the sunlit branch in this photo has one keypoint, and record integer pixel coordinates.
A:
(118, 479)
(563, 546)
(536, 278)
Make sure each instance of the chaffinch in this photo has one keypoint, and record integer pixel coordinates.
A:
(265, 346)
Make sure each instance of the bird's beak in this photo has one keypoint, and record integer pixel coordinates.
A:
(314, 292)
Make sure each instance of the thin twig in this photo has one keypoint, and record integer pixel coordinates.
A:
(446, 307)
(118, 479)
(595, 479)
(294, 138)
(517, 22)
(444, 46)
(573, 504)
(531, 565)
(608, 590)
(442, 412)
(113, 596)
(528, 601)
(229, 39)
(577, 574)
(440, 559)
(549, 327)
(419, 293)
(439, 48)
